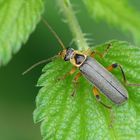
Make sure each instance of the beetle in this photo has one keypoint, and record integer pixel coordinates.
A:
(100, 77)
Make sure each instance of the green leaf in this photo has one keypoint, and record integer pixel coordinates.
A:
(118, 13)
(80, 117)
(18, 19)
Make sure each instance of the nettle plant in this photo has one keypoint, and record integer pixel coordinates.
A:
(78, 117)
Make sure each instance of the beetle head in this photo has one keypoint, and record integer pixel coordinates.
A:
(69, 54)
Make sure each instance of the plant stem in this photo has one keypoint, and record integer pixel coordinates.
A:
(66, 8)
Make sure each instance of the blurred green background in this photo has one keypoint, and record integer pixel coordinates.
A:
(17, 92)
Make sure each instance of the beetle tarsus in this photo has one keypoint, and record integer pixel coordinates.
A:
(99, 100)
(112, 118)
(75, 83)
(108, 107)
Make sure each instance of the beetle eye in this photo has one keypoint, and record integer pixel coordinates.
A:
(66, 58)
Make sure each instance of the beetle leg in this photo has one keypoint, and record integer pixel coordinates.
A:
(92, 53)
(109, 45)
(67, 74)
(75, 81)
(95, 52)
(115, 65)
(78, 75)
(97, 95)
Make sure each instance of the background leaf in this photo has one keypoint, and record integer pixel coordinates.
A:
(81, 117)
(17, 20)
(118, 13)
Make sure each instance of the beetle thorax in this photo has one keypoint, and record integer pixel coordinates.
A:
(75, 57)
(78, 59)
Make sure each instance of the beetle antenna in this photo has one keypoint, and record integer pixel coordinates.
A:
(38, 63)
(53, 32)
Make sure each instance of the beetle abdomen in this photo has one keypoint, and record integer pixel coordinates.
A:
(104, 80)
